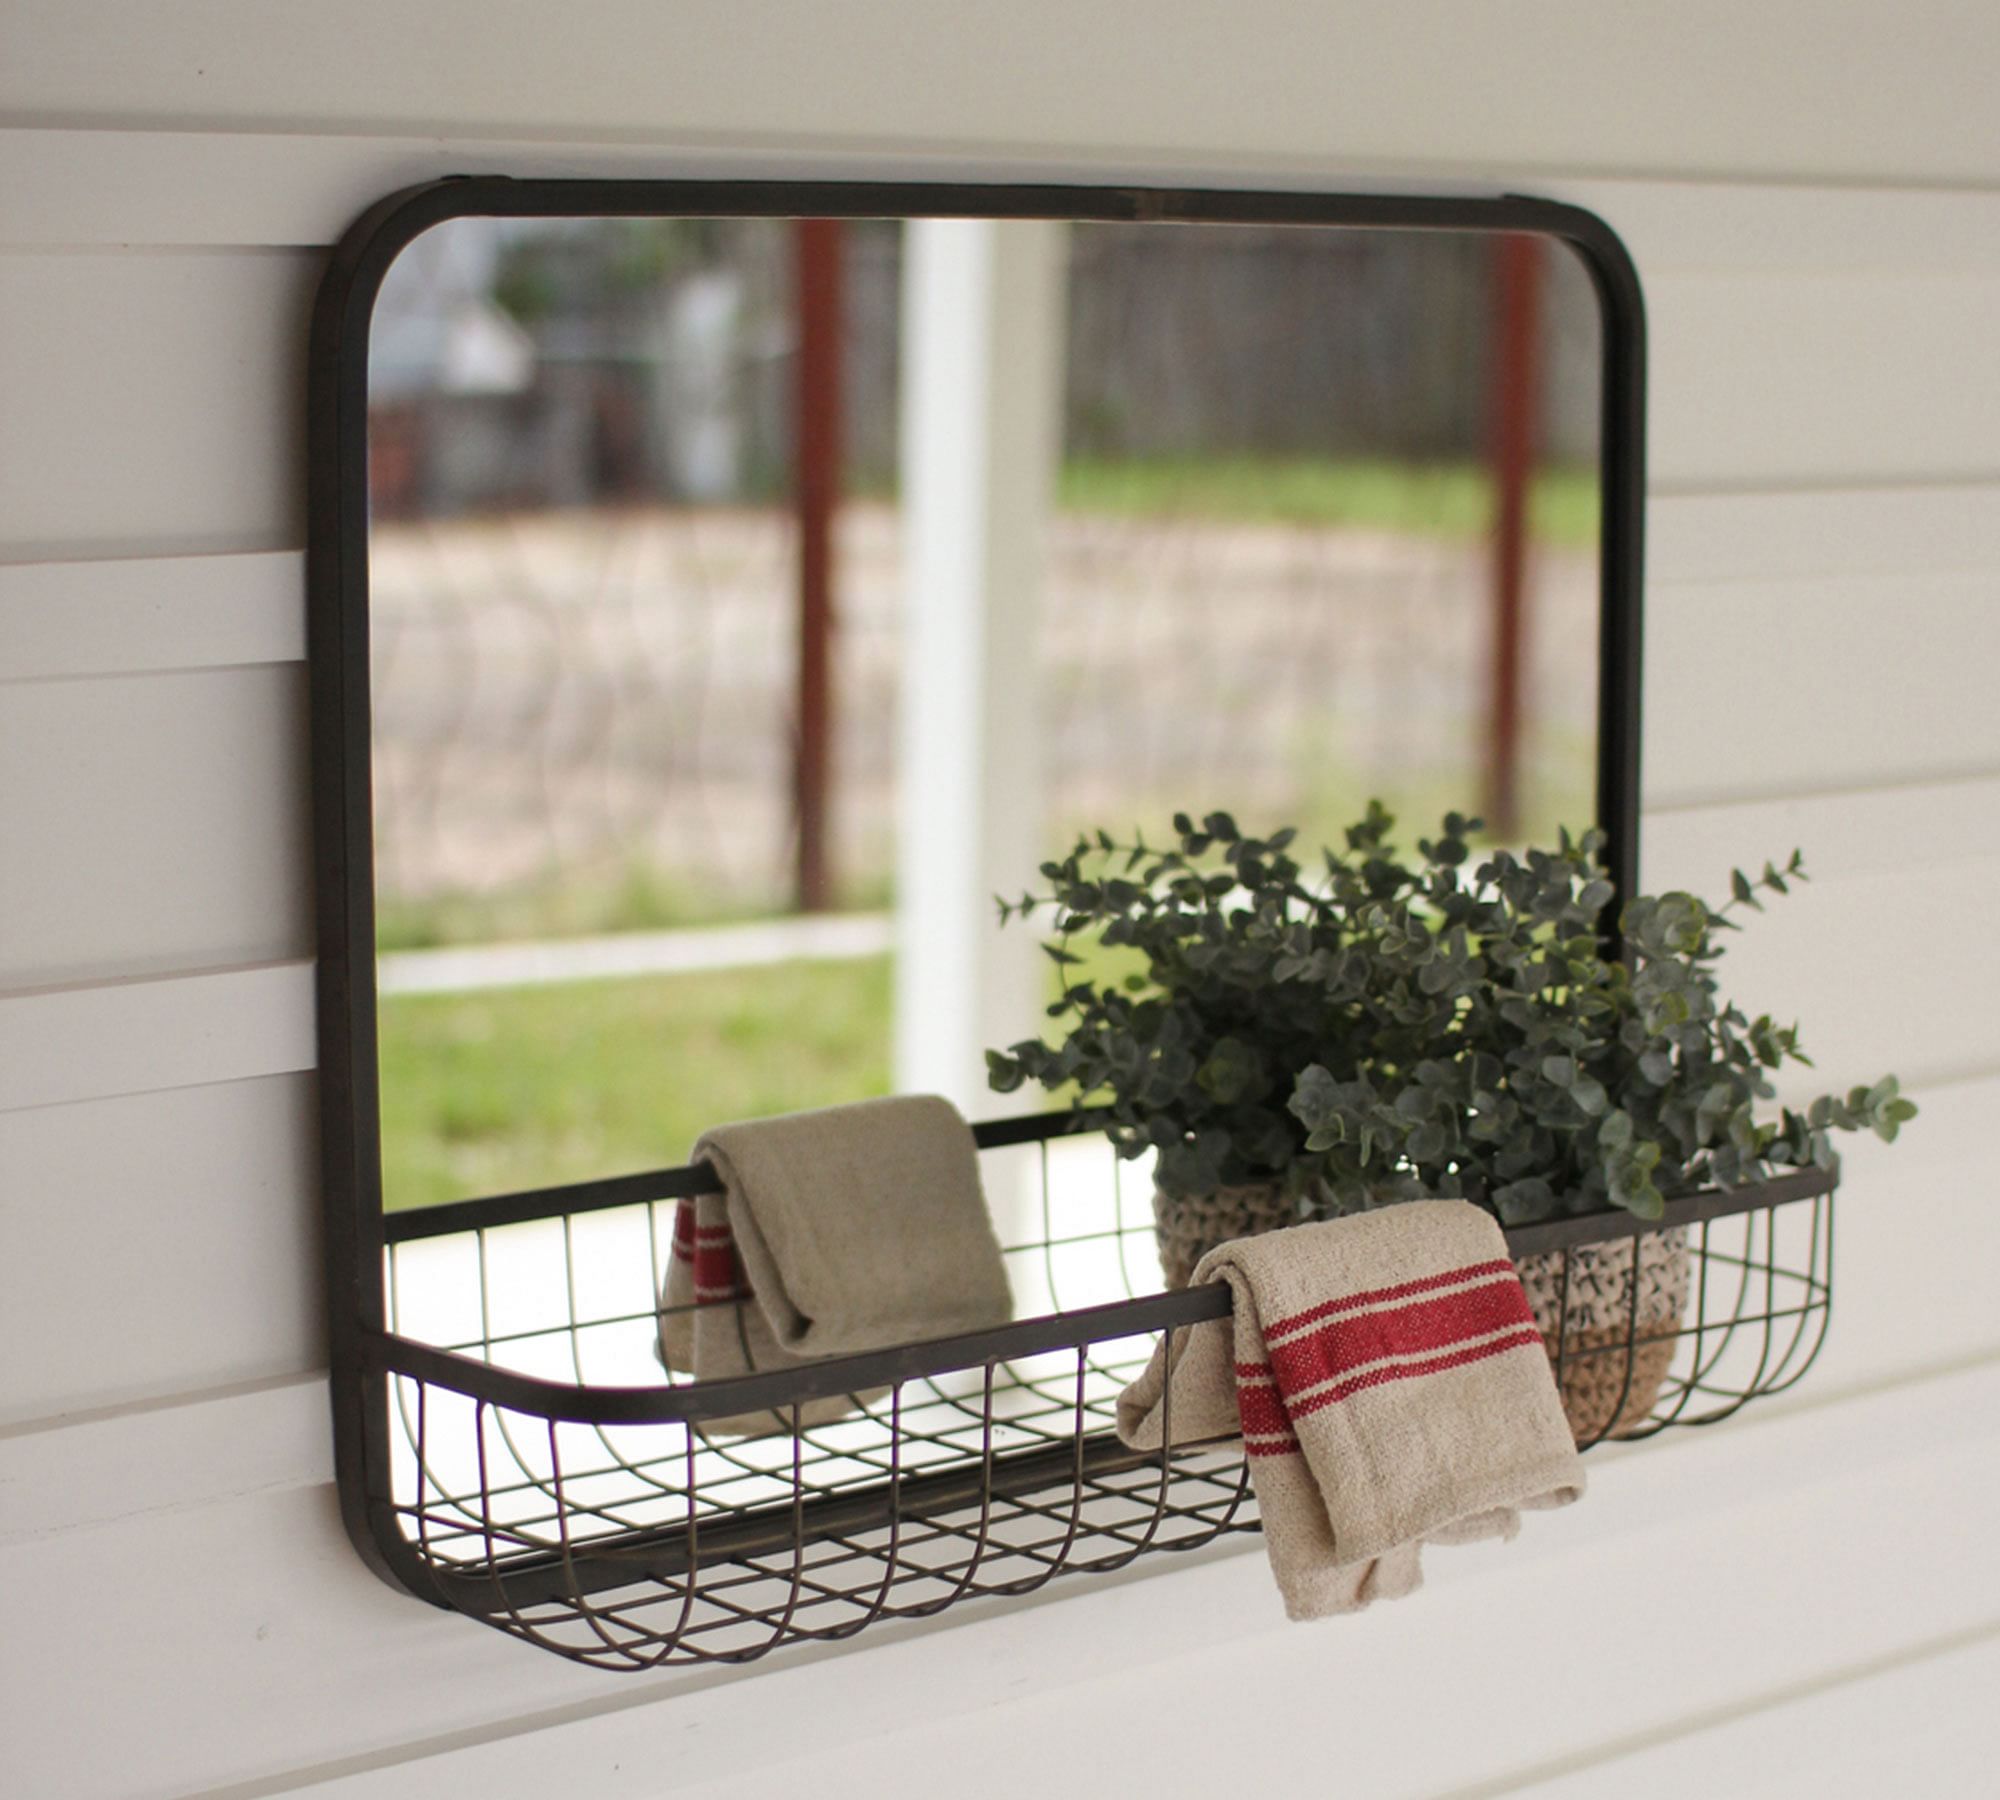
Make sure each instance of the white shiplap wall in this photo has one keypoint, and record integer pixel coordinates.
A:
(1813, 197)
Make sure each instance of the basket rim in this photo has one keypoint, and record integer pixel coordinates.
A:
(391, 1353)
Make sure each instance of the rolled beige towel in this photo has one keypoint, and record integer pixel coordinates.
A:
(846, 1229)
(1388, 1381)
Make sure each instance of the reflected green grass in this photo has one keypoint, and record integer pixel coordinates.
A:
(483, 1093)
(527, 1087)
(1446, 499)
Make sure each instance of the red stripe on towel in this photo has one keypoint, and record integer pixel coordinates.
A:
(1457, 1359)
(1267, 1431)
(718, 1275)
(710, 1251)
(1260, 1409)
(1378, 1296)
(1346, 1355)
(1288, 1446)
(1343, 1345)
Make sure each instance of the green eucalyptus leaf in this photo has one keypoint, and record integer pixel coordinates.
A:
(1420, 1008)
(1428, 1142)
(1525, 1202)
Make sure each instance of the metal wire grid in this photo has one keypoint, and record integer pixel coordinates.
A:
(961, 1471)
(1761, 1299)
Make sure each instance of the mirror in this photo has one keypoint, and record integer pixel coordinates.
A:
(756, 580)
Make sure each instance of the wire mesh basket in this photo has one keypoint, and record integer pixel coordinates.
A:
(543, 1473)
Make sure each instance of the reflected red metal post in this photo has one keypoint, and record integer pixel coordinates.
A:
(1516, 378)
(816, 495)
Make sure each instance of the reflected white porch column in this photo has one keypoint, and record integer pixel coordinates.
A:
(982, 377)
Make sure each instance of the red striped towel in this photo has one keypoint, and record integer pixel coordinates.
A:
(708, 1253)
(1388, 1381)
(849, 1228)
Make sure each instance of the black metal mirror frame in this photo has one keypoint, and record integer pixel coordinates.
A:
(338, 594)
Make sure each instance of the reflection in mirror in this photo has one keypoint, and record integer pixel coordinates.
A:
(752, 598)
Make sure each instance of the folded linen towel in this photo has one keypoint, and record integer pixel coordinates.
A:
(1388, 1380)
(849, 1228)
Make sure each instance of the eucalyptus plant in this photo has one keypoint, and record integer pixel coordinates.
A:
(1390, 1026)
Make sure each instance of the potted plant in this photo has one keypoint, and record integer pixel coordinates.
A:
(1297, 1046)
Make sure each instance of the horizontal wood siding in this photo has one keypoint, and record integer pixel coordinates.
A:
(1786, 90)
(166, 391)
(153, 823)
(1711, 1571)
(158, 1244)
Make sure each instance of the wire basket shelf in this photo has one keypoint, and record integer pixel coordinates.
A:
(542, 1472)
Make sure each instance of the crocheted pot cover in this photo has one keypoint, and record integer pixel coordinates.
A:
(1612, 1366)
(1187, 1226)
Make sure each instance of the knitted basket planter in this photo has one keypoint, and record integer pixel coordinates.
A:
(1611, 1356)
(1187, 1226)
(1611, 1359)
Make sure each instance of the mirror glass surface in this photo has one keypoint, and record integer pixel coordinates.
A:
(1234, 499)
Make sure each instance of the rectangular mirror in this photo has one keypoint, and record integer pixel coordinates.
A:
(746, 583)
